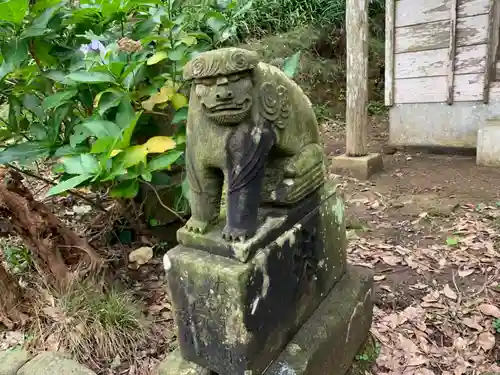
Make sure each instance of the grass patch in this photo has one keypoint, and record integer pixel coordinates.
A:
(93, 323)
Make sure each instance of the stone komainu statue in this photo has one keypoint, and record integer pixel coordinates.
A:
(252, 126)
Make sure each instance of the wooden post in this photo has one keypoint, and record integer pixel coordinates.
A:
(493, 43)
(357, 77)
(390, 10)
(452, 51)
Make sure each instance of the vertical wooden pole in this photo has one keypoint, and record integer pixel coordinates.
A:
(452, 51)
(357, 77)
(390, 29)
(492, 43)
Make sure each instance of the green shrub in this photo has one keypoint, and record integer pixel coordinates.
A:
(275, 16)
(84, 82)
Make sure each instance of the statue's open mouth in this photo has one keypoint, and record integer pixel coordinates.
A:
(229, 108)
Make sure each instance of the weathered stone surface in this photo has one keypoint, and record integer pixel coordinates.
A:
(273, 222)
(252, 127)
(235, 316)
(12, 360)
(174, 364)
(488, 147)
(360, 167)
(328, 342)
(49, 363)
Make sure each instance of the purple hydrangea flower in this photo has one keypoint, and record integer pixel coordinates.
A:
(93, 46)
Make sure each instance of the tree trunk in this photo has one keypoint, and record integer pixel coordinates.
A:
(10, 300)
(50, 241)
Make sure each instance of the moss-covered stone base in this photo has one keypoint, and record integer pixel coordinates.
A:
(326, 344)
(234, 317)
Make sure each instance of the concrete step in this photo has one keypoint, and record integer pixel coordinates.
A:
(488, 144)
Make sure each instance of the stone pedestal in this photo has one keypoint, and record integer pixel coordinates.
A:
(327, 342)
(360, 167)
(239, 307)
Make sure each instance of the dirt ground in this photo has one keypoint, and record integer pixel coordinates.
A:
(429, 226)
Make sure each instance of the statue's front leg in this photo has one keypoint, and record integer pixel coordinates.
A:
(205, 190)
(247, 151)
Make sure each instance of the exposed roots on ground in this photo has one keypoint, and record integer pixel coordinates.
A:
(56, 249)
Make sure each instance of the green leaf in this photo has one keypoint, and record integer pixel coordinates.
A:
(57, 99)
(5, 69)
(41, 5)
(216, 21)
(129, 130)
(245, 8)
(146, 175)
(67, 185)
(34, 105)
(134, 155)
(102, 128)
(15, 52)
(164, 161)
(13, 10)
(452, 241)
(39, 26)
(157, 57)
(103, 144)
(81, 164)
(43, 51)
(291, 65)
(108, 99)
(125, 113)
(80, 133)
(55, 75)
(68, 150)
(126, 189)
(178, 53)
(24, 151)
(180, 116)
(91, 77)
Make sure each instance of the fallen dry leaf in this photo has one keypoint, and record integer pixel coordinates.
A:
(490, 310)
(486, 341)
(448, 292)
(141, 255)
(465, 273)
(471, 323)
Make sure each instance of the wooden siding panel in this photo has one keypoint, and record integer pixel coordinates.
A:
(468, 87)
(432, 63)
(435, 35)
(412, 12)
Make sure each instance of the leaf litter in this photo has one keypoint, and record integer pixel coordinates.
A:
(437, 293)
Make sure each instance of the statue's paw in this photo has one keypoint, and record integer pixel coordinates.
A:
(196, 226)
(235, 235)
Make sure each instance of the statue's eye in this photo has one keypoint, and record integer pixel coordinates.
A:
(205, 81)
(234, 77)
(209, 82)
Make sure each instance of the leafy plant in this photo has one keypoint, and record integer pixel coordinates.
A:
(98, 86)
(18, 257)
(496, 325)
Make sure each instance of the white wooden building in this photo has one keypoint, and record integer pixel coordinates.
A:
(441, 80)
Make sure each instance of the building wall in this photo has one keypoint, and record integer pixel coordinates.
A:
(419, 114)
(421, 50)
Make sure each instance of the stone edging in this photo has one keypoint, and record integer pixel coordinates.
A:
(20, 362)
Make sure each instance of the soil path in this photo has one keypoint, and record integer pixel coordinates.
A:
(429, 225)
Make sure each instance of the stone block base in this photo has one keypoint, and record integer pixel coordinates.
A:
(360, 167)
(488, 146)
(326, 344)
